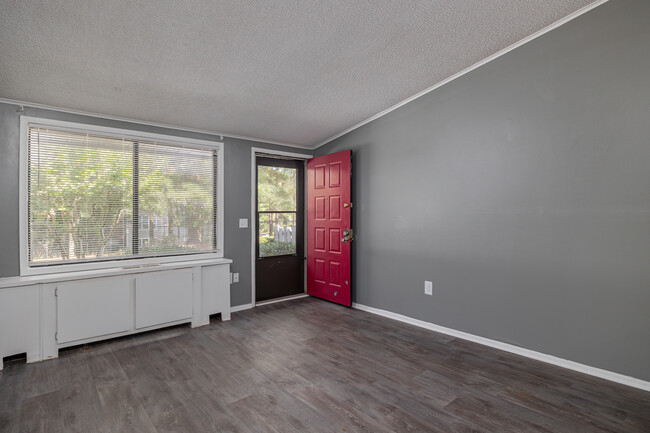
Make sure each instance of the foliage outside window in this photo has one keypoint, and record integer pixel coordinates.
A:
(276, 196)
(97, 198)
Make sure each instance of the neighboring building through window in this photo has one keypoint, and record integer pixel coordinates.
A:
(97, 194)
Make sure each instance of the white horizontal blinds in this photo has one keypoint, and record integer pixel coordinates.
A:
(96, 198)
(176, 199)
(80, 197)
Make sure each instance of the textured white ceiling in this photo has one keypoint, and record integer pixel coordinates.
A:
(293, 71)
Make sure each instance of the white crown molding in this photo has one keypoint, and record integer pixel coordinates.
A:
(144, 122)
(549, 359)
(488, 59)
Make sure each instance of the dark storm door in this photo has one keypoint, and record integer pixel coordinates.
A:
(329, 234)
(280, 234)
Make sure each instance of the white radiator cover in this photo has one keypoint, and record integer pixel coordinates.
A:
(41, 314)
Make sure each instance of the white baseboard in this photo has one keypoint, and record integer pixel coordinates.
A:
(243, 307)
(571, 365)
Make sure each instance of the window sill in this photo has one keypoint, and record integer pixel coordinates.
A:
(126, 269)
(26, 270)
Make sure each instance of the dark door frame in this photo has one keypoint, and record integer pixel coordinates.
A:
(263, 151)
(281, 276)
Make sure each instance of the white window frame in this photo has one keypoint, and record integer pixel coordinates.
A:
(28, 121)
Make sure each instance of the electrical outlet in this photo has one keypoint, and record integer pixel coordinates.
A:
(428, 288)
(235, 277)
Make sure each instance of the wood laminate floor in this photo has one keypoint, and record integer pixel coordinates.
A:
(307, 366)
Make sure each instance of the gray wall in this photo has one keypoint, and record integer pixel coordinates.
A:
(237, 197)
(522, 190)
(238, 205)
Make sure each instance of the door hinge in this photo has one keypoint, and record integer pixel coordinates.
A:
(56, 292)
(56, 336)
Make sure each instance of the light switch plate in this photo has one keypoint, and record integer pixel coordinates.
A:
(428, 288)
(243, 223)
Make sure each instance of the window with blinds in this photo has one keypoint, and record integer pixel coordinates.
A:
(94, 197)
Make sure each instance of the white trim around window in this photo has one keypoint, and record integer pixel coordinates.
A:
(26, 122)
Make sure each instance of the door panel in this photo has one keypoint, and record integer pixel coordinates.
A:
(216, 293)
(94, 307)
(163, 297)
(328, 216)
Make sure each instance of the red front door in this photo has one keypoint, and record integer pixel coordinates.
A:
(328, 227)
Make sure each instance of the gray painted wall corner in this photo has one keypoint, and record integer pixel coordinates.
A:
(522, 190)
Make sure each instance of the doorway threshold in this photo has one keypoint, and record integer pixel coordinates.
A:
(282, 299)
